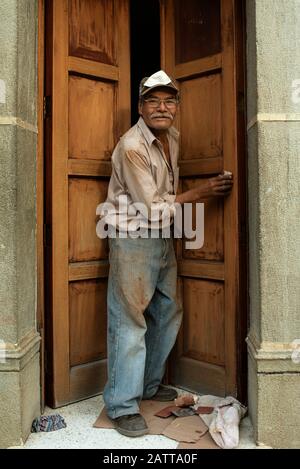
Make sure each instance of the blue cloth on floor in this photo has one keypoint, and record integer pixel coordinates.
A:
(48, 423)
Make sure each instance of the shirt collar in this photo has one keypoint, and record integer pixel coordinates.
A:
(149, 135)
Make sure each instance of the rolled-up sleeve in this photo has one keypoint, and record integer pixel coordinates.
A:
(142, 186)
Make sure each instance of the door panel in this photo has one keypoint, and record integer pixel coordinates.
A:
(91, 30)
(95, 99)
(84, 194)
(200, 49)
(89, 81)
(88, 343)
(203, 326)
(197, 29)
(201, 98)
(213, 247)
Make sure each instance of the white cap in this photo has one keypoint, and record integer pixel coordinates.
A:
(158, 79)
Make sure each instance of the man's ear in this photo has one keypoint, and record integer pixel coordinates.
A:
(140, 108)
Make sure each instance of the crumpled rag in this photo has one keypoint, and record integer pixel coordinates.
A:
(223, 422)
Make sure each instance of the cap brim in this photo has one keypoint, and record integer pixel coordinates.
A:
(170, 86)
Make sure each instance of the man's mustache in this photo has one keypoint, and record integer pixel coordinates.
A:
(162, 114)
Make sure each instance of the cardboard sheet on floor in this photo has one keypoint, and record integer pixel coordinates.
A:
(205, 442)
(188, 431)
(148, 409)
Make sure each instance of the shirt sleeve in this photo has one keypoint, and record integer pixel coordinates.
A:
(143, 189)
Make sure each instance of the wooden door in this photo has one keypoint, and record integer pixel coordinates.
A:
(88, 88)
(202, 49)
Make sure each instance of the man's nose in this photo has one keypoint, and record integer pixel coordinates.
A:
(162, 105)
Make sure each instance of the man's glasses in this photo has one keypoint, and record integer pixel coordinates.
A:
(155, 102)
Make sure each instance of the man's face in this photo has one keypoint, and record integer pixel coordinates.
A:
(158, 109)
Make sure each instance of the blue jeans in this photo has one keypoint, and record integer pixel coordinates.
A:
(143, 320)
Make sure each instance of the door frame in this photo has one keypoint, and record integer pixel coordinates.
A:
(40, 194)
(242, 213)
(244, 300)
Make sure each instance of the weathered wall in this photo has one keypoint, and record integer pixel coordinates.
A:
(19, 359)
(273, 65)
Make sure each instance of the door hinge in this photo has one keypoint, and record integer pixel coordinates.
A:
(47, 235)
(47, 106)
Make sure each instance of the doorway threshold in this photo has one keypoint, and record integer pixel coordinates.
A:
(80, 433)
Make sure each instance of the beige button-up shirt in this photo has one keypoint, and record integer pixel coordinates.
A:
(141, 174)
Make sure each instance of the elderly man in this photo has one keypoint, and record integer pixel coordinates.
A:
(143, 314)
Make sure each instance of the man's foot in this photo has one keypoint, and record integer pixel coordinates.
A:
(131, 425)
(164, 394)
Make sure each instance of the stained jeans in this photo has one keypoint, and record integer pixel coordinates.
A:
(143, 320)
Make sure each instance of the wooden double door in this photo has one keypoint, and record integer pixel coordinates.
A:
(88, 89)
